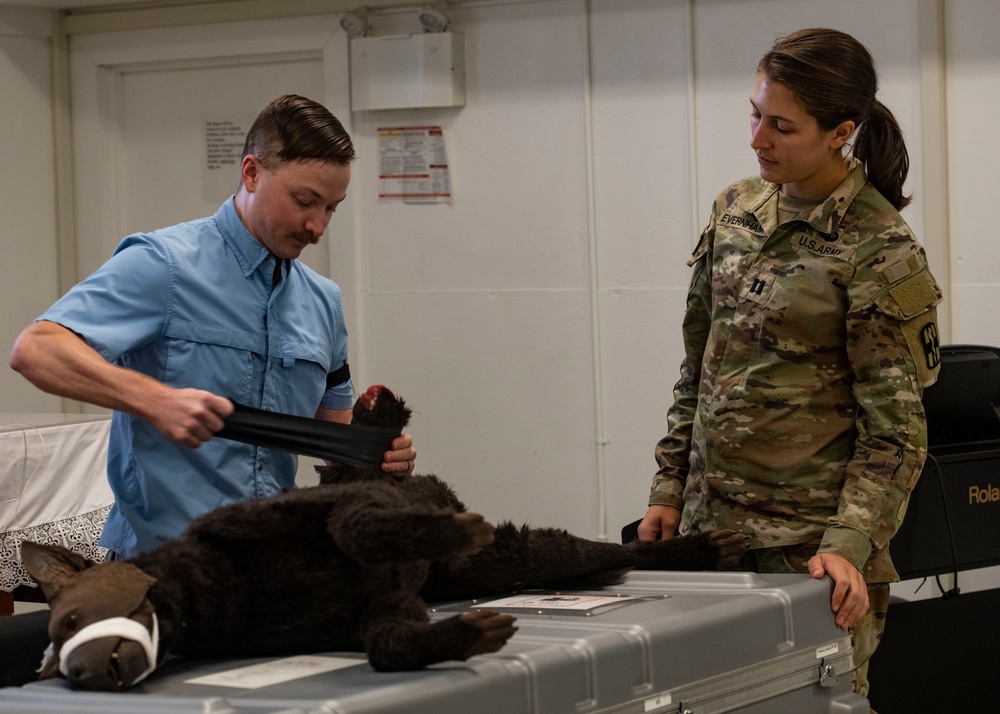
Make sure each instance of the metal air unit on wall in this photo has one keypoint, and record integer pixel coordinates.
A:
(407, 71)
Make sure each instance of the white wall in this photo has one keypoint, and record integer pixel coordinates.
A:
(551, 291)
(479, 312)
(973, 85)
(534, 323)
(28, 262)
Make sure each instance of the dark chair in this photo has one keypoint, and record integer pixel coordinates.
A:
(630, 532)
(962, 407)
(23, 639)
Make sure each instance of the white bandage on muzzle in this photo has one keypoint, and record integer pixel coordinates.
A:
(122, 627)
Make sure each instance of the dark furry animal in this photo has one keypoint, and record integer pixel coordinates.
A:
(522, 556)
(347, 565)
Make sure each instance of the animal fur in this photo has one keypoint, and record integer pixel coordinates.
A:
(347, 565)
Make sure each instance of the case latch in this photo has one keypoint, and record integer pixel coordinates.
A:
(828, 676)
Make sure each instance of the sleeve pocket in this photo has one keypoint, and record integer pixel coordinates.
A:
(913, 302)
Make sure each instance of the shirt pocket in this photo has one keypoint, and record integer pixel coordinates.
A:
(217, 359)
(760, 304)
(912, 301)
(699, 259)
(304, 368)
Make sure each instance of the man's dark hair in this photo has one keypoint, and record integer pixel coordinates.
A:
(293, 127)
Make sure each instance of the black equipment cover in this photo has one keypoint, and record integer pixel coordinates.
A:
(352, 444)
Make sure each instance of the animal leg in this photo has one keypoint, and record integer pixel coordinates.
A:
(526, 557)
(398, 636)
(546, 557)
(402, 535)
(288, 514)
(371, 522)
(713, 550)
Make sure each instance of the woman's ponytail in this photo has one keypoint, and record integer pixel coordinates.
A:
(880, 147)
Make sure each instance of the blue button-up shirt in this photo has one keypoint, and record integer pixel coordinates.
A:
(192, 306)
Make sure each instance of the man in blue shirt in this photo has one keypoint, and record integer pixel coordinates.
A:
(182, 320)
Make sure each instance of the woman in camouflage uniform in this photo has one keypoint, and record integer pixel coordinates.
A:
(809, 334)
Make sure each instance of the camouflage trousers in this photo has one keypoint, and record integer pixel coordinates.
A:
(865, 633)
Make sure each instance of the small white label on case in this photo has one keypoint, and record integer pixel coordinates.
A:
(275, 672)
(827, 650)
(656, 702)
(554, 601)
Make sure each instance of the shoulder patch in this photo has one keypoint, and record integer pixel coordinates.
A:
(911, 296)
(915, 293)
(921, 335)
(897, 271)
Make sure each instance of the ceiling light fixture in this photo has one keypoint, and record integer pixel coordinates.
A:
(434, 18)
(355, 22)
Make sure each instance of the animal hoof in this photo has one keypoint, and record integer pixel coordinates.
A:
(731, 545)
(494, 631)
(478, 530)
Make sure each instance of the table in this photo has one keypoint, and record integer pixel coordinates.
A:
(53, 488)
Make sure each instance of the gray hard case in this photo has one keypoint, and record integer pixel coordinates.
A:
(677, 643)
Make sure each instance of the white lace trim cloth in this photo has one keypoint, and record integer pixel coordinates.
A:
(78, 533)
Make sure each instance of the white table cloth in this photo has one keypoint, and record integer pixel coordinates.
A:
(53, 486)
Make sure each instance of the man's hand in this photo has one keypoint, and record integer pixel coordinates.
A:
(190, 416)
(401, 457)
(59, 361)
(850, 593)
(659, 523)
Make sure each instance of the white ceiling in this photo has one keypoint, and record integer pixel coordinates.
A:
(70, 4)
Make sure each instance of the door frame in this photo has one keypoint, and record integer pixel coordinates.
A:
(97, 63)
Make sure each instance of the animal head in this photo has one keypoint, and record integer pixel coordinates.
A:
(102, 626)
(378, 406)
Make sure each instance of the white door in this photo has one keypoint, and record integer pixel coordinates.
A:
(144, 100)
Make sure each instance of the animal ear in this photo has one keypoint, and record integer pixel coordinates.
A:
(52, 566)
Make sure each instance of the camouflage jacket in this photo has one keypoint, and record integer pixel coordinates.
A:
(797, 417)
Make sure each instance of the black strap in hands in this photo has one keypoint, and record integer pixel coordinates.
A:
(352, 444)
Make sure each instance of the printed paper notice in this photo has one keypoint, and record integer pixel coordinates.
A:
(413, 166)
(224, 135)
(554, 601)
(256, 676)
